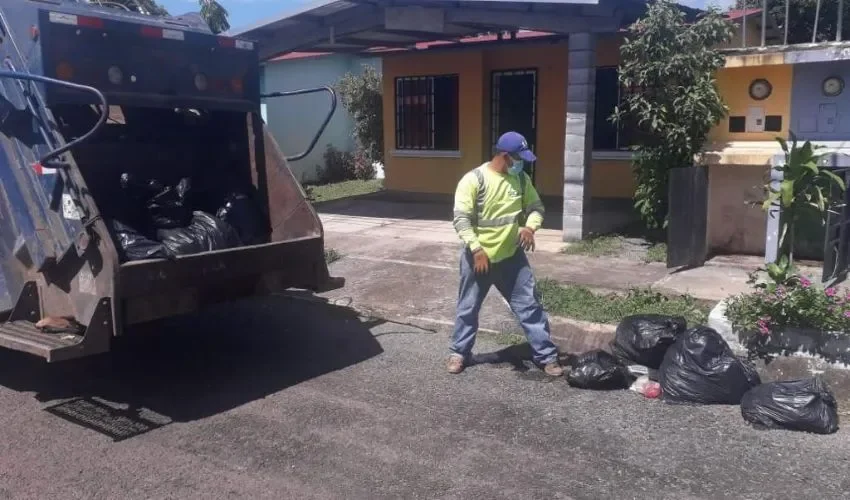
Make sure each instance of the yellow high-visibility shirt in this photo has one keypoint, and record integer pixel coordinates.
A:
(490, 218)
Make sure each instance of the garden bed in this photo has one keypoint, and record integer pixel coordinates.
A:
(793, 319)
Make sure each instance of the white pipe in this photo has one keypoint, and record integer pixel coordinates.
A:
(817, 15)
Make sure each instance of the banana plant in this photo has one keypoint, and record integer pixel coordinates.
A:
(805, 186)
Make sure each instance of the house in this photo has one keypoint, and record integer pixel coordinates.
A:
(294, 121)
(456, 76)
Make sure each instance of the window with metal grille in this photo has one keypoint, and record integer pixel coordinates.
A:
(607, 135)
(426, 113)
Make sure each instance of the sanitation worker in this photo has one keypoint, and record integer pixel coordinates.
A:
(496, 213)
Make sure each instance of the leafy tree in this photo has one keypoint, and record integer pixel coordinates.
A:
(362, 95)
(667, 71)
(801, 18)
(212, 12)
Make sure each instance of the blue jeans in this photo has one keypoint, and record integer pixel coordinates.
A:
(515, 281)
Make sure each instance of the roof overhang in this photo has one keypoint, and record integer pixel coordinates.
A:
(360, 25)
(821, 52)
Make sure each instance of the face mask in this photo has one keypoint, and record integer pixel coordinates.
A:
(516, 167)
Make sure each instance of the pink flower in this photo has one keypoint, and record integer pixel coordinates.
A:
(830, 292)
(763, 325)
(847, 314)
(805, 282)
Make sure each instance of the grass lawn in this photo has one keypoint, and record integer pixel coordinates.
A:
(345, 189)
(616, 245)
(657, 253)
(577, 302)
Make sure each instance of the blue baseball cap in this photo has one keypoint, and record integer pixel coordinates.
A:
(515, 144)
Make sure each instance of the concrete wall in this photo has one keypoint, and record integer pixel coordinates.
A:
(734, 224)
(815, 116)
(295, 120)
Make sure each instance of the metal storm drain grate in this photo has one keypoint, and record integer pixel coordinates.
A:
(117, 422)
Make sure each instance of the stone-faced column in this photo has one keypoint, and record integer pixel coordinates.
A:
(578, 143)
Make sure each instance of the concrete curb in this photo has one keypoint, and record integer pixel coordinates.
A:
(718, 321)
(576, 337)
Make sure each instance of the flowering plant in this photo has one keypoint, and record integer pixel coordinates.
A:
(785, 299)
(794, 302)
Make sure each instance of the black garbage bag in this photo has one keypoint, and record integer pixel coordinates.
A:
(167, 207)
(138, 189)
(245, 217)
(643, 339)
(206, 233)
(133, 245)
(799, 405)
(598, 370)
(701, 368)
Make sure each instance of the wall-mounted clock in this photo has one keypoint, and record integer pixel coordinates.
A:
(832, 86)
(760, 89)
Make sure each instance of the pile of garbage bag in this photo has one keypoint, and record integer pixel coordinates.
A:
(166, 222)
(697, 366)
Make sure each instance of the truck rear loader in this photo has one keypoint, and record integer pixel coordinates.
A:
(90, 94)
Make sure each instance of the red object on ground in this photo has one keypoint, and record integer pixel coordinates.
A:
(653, 391)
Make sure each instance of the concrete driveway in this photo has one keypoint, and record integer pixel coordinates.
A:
(381, 216)
(286, 398)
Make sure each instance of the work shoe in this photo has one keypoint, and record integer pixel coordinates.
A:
(455, 364)
(553, 369)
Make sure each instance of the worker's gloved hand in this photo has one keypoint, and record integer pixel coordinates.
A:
(526, 239)
(481, 263)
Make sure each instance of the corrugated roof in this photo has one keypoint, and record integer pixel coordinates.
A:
(414, 45)
(377, 50)
(733, 14)
(358, 26)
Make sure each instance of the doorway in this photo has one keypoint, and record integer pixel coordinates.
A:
(513, 106)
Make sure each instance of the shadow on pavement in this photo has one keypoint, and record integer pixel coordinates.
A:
(517, 356)
(191, 367)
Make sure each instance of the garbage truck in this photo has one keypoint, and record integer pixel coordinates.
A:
(107, 117)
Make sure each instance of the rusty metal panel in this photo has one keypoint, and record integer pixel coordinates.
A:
(291, 215)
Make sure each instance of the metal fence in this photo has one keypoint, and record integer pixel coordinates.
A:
(765, 7)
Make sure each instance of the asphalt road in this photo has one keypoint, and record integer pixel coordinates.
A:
(282, 398)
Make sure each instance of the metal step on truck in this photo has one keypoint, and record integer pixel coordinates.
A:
(107, 117)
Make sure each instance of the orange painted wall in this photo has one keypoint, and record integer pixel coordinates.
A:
(610, 178)
(435, 175)
(734, 85)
